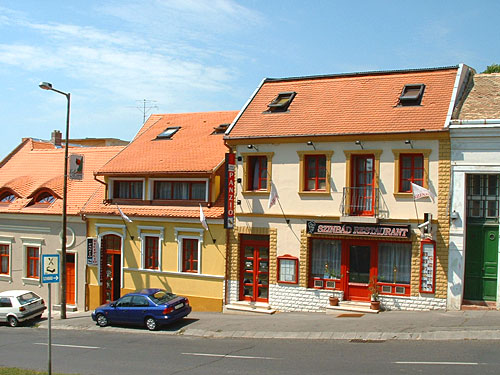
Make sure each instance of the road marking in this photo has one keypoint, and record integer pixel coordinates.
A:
(69, 346)
(439, 363)
(228, 356)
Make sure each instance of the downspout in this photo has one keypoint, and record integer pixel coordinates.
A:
(104, 183)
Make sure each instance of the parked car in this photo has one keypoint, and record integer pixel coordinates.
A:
(150, 307)
(20, 305)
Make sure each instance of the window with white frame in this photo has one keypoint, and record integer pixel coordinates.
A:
(151, 252)
(190, 243)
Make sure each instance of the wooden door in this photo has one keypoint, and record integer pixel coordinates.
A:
(363, 177)
(254, 279)
(360, 265)
(111, 246)
(70, 279)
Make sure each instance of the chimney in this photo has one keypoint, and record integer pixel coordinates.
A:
(56, 138)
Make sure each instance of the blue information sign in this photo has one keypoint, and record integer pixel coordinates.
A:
(50, 268)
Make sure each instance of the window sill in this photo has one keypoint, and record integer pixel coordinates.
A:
(5, 277)
(30, 281)
(306, 193)
(255, 192)
(403, 195)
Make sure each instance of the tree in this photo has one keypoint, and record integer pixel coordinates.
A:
(493, 68)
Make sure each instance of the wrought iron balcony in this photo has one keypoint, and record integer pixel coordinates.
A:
(360, 201)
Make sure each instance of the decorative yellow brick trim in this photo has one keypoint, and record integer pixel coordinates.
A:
(304, 259)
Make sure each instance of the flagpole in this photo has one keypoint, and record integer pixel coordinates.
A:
(124, 222)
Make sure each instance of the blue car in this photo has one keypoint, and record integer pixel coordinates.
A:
(150, 307)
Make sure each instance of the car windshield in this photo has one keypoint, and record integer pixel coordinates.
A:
(162, 296)
(26, 298)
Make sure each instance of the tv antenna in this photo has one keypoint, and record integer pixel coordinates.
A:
(145, 106)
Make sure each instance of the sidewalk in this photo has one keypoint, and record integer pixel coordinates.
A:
(390, 325)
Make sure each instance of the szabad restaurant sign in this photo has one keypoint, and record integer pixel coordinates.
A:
(387, 231)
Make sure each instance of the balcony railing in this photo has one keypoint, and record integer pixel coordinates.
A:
(360, 201)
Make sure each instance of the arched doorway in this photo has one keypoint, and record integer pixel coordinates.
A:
(111, 279)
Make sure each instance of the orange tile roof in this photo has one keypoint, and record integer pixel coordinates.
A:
(361, 103)
(35, 166)
(191, 150)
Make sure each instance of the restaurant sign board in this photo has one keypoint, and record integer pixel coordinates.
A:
(366, 230)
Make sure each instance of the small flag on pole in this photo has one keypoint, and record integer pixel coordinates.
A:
(203, 220)
(125, 217)
(420, 192)
(273, 196)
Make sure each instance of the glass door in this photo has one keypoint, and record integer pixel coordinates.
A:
(359, 266)
(255, 268)
(362, 191)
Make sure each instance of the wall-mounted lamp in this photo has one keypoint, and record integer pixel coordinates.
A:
(359, 144)
(238, 180)
(252, 146)
(408, 142)
(239, 158)
(238, 202)
(310, 143)
(454, 215)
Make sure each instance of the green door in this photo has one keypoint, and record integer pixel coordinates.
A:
(481, 263)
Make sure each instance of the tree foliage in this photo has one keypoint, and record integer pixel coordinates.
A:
(493, 68)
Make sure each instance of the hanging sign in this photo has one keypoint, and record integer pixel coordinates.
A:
(388, 231)
(76, 167)
(230, 191)
(427, 266)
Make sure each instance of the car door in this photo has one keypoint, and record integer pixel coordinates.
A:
(5, 307)
(121, 311)
(141, 309)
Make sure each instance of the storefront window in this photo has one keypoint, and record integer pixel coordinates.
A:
(394, 262)
(325, 262)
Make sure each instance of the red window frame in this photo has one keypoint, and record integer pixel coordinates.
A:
(151, 252)
(316, 179)
(4, 254)
(412, 169)
(116, 190)
(362, 184)
(191, 183)
(260, 162)
(32, 262)
(190, 255)
(296, 266)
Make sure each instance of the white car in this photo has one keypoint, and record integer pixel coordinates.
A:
(19, 305)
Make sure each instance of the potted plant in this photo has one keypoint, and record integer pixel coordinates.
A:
(334, 301)
(374, 291)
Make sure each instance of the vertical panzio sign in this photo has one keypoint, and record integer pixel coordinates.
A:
(230, 191)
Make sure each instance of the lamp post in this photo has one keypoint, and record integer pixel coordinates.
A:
(48, 86)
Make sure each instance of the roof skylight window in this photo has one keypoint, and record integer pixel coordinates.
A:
(221, 129)
(168, 132)
(281, 102)
(412, 95)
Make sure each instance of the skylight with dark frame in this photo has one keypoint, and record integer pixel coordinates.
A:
(168, 132)
(281, 102)
(221, 129)
(412, 94)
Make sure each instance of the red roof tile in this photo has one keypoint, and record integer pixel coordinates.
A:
(192, 149)
(349, 104)
(32, 168)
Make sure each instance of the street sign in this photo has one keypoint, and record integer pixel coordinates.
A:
(50, 268)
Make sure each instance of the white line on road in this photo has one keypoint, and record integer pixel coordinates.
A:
(439, 363)
(228, 356)
(69, 346)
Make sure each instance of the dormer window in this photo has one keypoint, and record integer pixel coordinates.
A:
(7, 197)
(44, 198)
(281, 102)
(412, 95)
(168, 132)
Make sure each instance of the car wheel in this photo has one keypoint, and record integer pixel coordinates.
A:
(102, 321)
(151, 324)
(13, 322)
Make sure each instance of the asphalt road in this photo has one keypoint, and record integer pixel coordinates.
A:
(136, 351)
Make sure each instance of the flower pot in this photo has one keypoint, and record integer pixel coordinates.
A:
(334, 301)
(375, 305)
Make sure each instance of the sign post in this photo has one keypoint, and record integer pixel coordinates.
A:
(50, 274)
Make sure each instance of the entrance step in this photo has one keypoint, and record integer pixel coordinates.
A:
(69, 308)
(478, 305)
(248, 307)
(353, 306)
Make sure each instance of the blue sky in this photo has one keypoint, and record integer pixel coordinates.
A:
(209, 55)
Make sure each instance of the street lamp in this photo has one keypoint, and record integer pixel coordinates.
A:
(48, 86)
